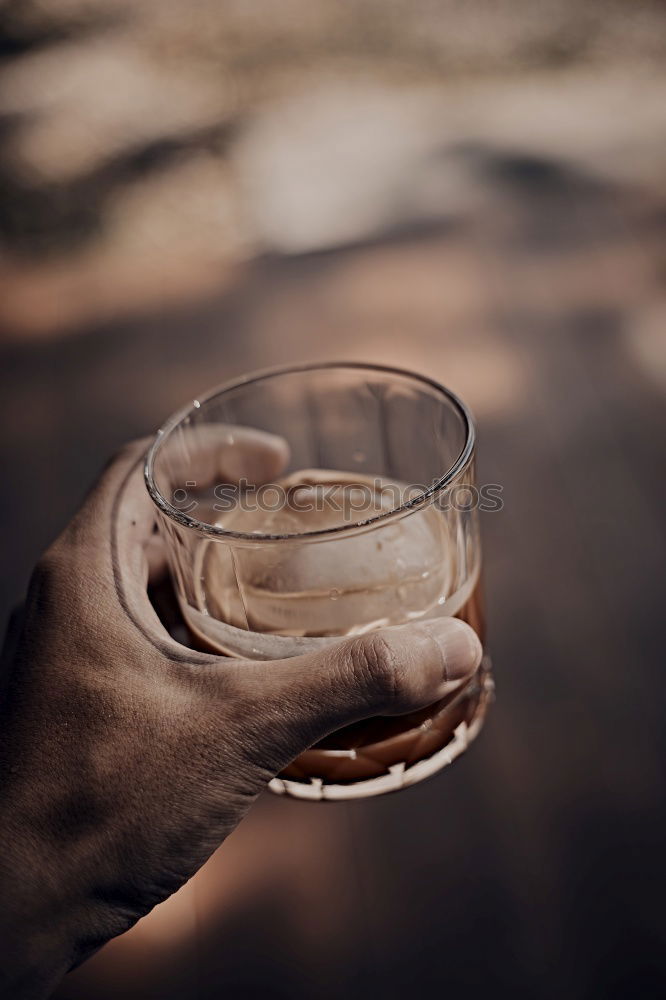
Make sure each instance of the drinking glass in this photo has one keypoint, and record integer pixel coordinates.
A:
(304, 504)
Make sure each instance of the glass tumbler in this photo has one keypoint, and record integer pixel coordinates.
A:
(304, 504)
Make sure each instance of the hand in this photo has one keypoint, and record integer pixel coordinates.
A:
(126, 758)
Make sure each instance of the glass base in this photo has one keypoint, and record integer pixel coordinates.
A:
(400, 775)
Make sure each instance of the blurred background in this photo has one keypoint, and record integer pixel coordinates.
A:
(472, 190)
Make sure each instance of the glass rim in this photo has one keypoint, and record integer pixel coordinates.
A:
(422, 500)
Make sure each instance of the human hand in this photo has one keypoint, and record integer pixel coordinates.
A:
(127, 758)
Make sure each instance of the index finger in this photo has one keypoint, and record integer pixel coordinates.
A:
(212, 453)
(116, 522)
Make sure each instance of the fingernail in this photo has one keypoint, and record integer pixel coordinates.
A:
(459, 644)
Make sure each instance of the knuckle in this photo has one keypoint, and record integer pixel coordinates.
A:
(128, 452)
(375, 664)
(48, 569)
(46, 580)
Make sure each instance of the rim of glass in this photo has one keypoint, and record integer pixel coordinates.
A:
(215, 531)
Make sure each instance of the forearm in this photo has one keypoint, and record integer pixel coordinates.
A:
(49, 920)
(46, 913)
(60, 897)
(32, 963)
(37, 939)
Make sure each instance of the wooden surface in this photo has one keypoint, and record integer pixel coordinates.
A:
(532, 868)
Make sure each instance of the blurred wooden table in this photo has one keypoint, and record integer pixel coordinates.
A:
(534, 867)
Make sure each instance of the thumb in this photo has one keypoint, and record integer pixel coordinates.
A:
(389, 672)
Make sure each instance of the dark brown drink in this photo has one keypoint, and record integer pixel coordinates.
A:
(409, 570)
(390, 752)
(307, 505)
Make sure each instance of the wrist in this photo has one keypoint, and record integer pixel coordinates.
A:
(38, 939)
(33, 961)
